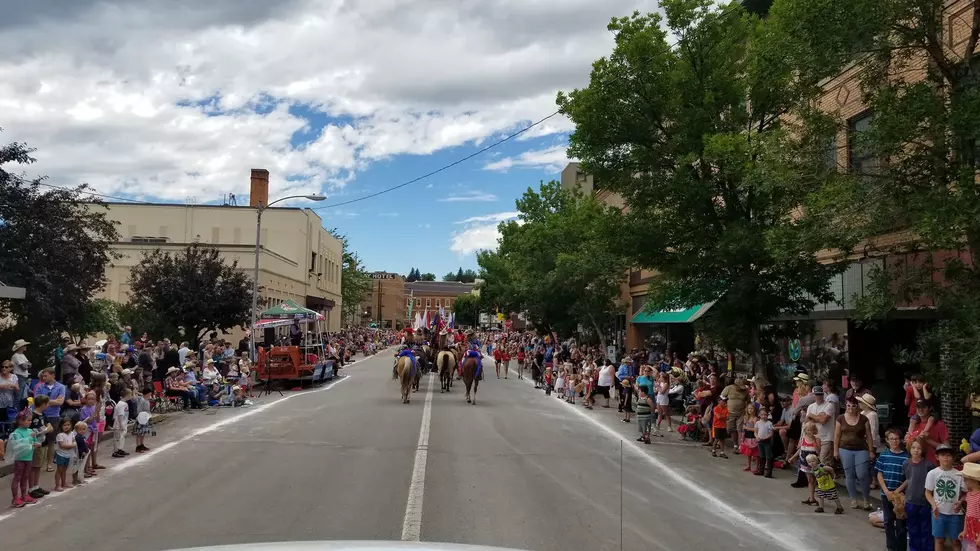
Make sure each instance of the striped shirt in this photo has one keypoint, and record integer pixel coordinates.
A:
(889, 464)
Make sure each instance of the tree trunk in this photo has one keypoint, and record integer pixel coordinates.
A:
(599, 332)
(755, 345)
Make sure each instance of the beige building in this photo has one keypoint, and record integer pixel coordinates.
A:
(300, 260)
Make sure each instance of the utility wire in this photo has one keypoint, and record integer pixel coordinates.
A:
(442, 168)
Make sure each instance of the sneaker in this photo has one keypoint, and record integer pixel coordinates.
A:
(35, 494)
(124, 452)
(146, 449)
(839, 511)
(670, 429)
(116, 454)
(17, 503)
(854, 504)
(28, 500)
(43, 491)
(818, 510)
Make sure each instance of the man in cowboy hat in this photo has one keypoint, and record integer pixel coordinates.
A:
(22, 366)
(70, 364)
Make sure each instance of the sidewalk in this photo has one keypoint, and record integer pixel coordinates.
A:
(771, 501)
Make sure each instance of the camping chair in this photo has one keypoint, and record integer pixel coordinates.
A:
(162, 402)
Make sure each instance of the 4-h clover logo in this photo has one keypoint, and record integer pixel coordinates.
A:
(946, 488)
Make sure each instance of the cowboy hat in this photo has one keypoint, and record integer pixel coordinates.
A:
(127, 371)
(172, 369)
(867, 400)
(84, 346)
(802, 377)
(70, 348)
(971, 470)
(18, 344)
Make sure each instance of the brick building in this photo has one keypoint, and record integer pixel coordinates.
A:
(384, 304)
(432, 295)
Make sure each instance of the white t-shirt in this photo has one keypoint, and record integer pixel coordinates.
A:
(946, 487)
(66, 438)
(763, 429)
(606, 376)
(21, 365)
(120, 415)
(825, 432)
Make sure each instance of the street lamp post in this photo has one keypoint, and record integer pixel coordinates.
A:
(255, 275)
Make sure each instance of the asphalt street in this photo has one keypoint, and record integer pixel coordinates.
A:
(350, 461)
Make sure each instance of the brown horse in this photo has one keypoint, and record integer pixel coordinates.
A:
(470, 377)
(403, 367)
(446, 361)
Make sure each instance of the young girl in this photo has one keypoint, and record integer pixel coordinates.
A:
(809, 445)
(65, 448)
(521, 356)
(81, 453)
(90, 416)
(971, 530)
(559, 383)
(547, 381)
(826, 487)
(917, 509)
(749, 446)
(644, 414)
(663, 402)
(719, 428)
(20, 446)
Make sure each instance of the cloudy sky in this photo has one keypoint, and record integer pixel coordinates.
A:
(166, 100)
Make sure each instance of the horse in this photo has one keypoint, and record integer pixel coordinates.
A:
(404, 370)
(421, 362)
(446, 362)
(470, 377)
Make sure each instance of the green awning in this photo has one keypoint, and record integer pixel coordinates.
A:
(672, 316)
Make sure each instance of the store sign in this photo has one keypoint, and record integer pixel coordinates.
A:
(382, 275)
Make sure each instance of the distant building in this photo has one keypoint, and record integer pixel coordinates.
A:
(384, 304)
(299, 260)
(432, 295)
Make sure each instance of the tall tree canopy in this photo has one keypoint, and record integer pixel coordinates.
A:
(917, 67)
(554, 262)
(709, 182)
(194, 288)
(427, 276)
(467, 309)
(55, 243)
(355, 281)
(467, 276)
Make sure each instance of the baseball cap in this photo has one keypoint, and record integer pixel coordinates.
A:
(922, 403)
(944, 447)
(818, 390)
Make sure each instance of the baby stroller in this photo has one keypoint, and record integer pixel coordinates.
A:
(692, 429)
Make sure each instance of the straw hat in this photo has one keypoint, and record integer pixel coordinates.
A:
(172, 370)
(18, 344)
(971, 470)
(802, 377)
(70, 348)
(867, 401)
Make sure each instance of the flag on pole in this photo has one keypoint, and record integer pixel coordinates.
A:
(425, 318)
(452, 320)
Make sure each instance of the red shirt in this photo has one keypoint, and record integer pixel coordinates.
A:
(938, 433)
(910, 399)
(496, 354)
(506, 356)
(520, 356)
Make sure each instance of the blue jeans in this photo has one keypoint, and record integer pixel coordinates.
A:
(856, 470)
(896, 535)
(919, 527)
(22, 383)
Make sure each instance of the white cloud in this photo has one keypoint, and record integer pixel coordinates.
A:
(553, 159)
(389, 214)
(475, 196)
(480, 233)
(496, 217)
(174, 98)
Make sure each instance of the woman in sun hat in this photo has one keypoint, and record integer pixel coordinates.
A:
(869, 409)
(22, 366)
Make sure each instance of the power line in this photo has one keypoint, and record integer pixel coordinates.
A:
(91, 193)
(442, 168)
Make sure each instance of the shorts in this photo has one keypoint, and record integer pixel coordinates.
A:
(831, 494)
(947, 526)
(61, 460)
(40, 457)
(603, 390)
(720, 434)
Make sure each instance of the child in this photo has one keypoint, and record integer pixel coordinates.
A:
(719, 426)
(89, 415)
(763, 434)
(944, 486)
(826, 487)
(890, 475)
(626, 400)
(41, 429)
(521, 356)
(65, 448)
(749, 446)
(81, 453)
(21, 446)
(971, 530)
(917, 509)
(559, 383)
(120, 420)
(547, 381)
(663, 402)
(809, 445)
(689, 426)
(644, 414)
(142, 429)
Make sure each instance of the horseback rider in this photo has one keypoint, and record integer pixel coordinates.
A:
(411, 348)
(472, 346)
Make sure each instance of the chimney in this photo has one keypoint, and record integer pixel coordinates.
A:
(260, 188)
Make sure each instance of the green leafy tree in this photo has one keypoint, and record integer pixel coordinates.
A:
(692, 138)
(450, 276)
(100, 316)
(467, 309)
(459, 274)
(556, 263)
(427, 276)
(144, 320)
(922, 88)
(355, 281)
(194, 288)
(466, 276)
(55, 243)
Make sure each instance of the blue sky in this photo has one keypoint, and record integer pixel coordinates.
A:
(163, 100)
